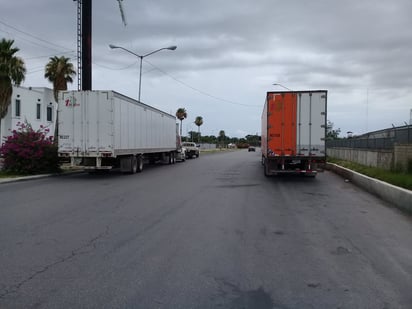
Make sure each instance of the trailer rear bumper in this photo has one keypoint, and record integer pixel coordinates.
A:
(308, 166)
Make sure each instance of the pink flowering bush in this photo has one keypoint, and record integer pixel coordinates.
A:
(28, 151)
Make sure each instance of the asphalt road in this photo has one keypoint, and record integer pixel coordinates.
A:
(211, 232)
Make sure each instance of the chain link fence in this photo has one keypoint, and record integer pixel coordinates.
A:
(383, 139)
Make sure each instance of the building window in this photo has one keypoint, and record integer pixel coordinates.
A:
(38, 111)
(18, 108)
(49, 113)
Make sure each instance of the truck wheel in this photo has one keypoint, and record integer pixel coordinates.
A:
(197, 155)
(139, 165)
(133, 165)
(265, 168)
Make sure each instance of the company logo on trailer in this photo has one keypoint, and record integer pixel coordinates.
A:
(71, 102)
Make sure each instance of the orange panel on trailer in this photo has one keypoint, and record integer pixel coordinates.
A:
(282, 123)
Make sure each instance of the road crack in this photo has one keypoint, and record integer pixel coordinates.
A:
(88, 247)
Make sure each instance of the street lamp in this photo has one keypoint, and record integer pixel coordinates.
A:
(276, 84)
(141, 60)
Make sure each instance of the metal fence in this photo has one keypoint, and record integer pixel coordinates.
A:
(383, 139)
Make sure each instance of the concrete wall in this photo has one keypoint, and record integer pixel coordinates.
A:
(207, 146)
(382, 159)
(403, 157)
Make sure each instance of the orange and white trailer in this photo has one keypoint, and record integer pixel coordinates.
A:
(294, 132)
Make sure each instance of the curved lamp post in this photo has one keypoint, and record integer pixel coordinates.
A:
(141, 60)
(276, 84)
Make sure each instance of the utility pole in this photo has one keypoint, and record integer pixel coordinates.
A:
(86, 44)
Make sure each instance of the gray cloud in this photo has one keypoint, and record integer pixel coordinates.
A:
(235, 50)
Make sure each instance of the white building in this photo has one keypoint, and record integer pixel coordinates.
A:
(36, 105)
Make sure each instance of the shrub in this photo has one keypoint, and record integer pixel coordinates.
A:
(242, 145)
(28, 151)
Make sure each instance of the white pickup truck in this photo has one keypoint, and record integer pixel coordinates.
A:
(191, 149)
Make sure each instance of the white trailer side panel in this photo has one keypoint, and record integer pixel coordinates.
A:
(92, 122)
(311, 120)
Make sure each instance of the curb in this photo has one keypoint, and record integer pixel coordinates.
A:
(399, 197)
(25, 178)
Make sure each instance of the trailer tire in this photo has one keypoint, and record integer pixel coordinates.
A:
(265, 168)
(133, 165)
(139, 165)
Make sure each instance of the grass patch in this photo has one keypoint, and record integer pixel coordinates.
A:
(403, 180)
(4, 174)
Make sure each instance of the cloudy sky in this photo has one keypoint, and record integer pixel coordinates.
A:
(229, 53)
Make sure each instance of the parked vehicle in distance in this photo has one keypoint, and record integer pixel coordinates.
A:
(101, 130)
(191, 149)
(294, 132)
(251, 148)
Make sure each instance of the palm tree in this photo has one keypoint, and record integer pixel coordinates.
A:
(198, 122)
(222, 136)
(59, 71)
(181, 114)
(12, 71)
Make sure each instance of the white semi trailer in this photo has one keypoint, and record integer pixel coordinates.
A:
(101, 130)
(294, 132)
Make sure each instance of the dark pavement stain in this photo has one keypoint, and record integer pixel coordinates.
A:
(316, 194)
(313, 284)
(257, 299)
(235, 298)
(237, 186)
(341, 251)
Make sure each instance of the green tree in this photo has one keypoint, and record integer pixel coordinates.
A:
(181, 114)
(253, 140)
(209, 139)
(192, 136)
(59, 71)
(12, 71)
(331, 133)
(198, 122)
(222, 137)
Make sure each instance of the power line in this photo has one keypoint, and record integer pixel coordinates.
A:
(123, 68)
(47, 56)
(115, 69)
(33, 36)
(181, 82)
(198, 90)
(35, 71)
